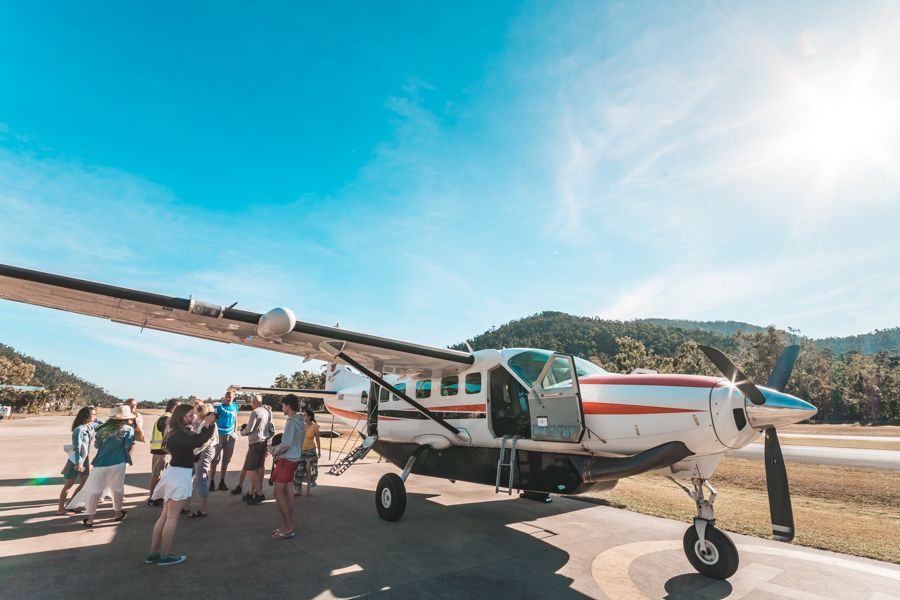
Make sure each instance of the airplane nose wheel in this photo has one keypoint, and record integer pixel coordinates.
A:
(716, 557)
(390, 497)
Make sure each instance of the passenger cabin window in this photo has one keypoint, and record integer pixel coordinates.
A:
(401, 387)
(450, 385)
(423, 389)
(383, 395)
(473, 383)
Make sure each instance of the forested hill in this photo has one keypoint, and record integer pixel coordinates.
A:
(880, 340)
(48, 375)
(590, 337)
(726, 328)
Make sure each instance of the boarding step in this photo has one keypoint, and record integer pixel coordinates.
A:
(512, 465)
(359, 453)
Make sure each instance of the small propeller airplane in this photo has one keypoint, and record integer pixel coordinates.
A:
(518, 418)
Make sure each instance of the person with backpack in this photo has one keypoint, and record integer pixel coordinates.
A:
(157, 452)
(259, 429)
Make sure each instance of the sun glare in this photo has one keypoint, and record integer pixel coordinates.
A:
(843, 126)
(842, 121)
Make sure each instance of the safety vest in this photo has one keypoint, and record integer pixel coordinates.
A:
(157, 437)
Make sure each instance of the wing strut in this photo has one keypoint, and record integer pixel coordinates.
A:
(374, 377)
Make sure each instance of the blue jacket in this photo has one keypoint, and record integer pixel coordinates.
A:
(113, 447)
(82, 436)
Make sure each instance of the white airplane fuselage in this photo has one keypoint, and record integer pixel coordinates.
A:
(622, 414)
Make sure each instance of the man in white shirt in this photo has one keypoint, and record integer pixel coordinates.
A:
(258, 430)
(138, 420)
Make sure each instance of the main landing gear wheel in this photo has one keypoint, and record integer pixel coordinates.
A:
(718, 559)
(390, 497)
(537, 496)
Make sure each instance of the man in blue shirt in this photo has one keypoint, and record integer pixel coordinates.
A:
(226, 421)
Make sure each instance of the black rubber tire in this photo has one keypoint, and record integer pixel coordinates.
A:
(390, 497)
(542, 497)
(723, 561)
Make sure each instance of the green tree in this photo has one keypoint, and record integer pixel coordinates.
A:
(633, 355)
(15, 371)
(757, 353)
(64, 396)
(811, 379)
(689, 359)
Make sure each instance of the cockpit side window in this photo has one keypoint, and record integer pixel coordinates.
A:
(529, 364)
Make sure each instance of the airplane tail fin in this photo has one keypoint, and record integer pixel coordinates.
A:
(338, 377)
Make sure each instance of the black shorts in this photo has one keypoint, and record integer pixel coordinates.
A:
(256, 456)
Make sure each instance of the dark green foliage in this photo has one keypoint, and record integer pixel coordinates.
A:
(880, 340)
(589, 337)
(52, 377)
(300, 380)
(726, 328)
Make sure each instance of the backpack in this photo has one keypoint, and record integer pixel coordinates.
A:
(270, 428)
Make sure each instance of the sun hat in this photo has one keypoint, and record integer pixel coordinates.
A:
(122, 412)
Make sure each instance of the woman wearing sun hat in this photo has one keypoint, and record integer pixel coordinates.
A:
(114, 440)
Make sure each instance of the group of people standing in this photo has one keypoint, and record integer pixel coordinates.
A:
(104, 476)
(187, 443)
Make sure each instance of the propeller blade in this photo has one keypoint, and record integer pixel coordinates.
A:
(779, 493)
(730, 371)
(782, 372)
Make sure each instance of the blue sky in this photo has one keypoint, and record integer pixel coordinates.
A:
(426, 172)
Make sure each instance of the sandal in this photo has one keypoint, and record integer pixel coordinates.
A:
(122, 516)
(281, 535)
(197, 515)
(86, 524)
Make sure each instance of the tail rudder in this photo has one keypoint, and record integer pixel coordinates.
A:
(339, 376)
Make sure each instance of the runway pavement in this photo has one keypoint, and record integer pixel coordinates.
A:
(825, 455)
(455, 541)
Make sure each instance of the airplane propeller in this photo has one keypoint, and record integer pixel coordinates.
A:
(782, 515)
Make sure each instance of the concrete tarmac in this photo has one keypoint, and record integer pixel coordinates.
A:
(455, 541)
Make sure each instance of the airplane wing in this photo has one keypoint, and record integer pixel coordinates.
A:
(187, 316)
(324, 395)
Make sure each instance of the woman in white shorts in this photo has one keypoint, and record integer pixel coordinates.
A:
(175, 483)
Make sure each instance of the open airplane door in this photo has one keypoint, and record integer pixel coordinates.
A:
(555, 402)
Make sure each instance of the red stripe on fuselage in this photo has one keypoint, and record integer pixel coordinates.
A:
(698, 381)
(610, 408)
(350, 414)
(458, 408)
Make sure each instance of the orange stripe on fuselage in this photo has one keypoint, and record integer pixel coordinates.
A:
(610, 408)
(351, 414)
(458, 408)
(698, 381)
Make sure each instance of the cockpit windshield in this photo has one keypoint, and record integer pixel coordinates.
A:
(528, 366)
